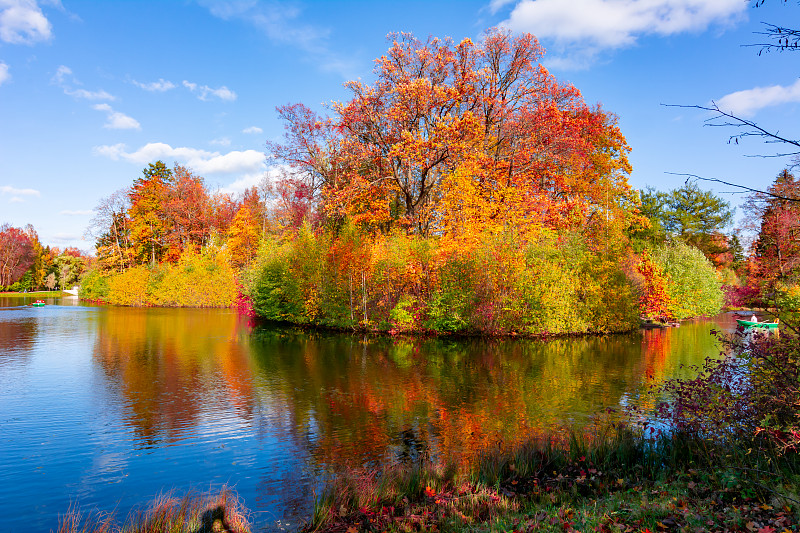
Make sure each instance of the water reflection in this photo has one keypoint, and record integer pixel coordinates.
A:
(363, 397)
(174, 367)
(144, 400)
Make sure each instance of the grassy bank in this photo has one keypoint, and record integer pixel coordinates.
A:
(36, 294)
(620, 482)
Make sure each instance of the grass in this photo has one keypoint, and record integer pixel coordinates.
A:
(37, 294)
(613, 481)
(192, 513)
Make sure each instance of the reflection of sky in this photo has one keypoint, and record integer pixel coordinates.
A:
(80, 424)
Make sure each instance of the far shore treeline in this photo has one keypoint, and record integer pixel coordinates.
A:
(466, 190)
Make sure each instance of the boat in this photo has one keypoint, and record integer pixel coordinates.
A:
(751, 324)
(38, 303)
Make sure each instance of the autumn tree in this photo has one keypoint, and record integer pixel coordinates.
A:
(149, 223)
(243, 237)
(188, 213)
(16, 254)
(776, 216)
(164, 212)
(257, 199)
(482, 121)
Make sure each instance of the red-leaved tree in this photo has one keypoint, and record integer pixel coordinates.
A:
(16, 254)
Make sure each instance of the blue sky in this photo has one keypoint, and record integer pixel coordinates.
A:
(90, 92)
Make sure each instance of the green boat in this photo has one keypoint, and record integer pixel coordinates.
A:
(750, 324)
(38, 303)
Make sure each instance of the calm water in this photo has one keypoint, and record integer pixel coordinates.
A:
(106, 407)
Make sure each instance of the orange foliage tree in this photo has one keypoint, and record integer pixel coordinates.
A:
(243, 237)
(654, 300)
(446, 123)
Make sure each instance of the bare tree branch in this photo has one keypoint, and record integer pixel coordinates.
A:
(690, 177)
(780, 39)
(723, 118)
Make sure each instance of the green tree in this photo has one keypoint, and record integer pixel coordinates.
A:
(688, 214)
(70, 267)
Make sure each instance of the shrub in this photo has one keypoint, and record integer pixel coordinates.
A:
(693, 288)
(94, 285)
(203, 279)
(500, 283)
(199, 279)
(129, 287)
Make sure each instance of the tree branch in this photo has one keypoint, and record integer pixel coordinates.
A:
(724, 118)
(689, 177)
(779, 38)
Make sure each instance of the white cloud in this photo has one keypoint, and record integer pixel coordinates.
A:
(255, 179)
(243, 183)
(22, 22)
(204, 91)
(222, 141)
(15, 200)
(61, 74)
(595, 25)
(747, 103)
(253, 130)
(7, 189)
(159, 86)
(116, 120)
(79, 212)
(89, 95)
(497, 5)
(201, 161)
(64, 79)
(4, 75)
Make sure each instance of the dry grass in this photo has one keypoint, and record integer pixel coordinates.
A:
(205, 513)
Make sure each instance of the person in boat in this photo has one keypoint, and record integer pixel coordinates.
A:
(754, 318)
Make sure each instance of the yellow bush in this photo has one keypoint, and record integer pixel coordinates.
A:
(199, 279)
(130, 287)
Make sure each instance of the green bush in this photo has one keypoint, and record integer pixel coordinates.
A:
(94, 286)
(694, 287)
(275, 293)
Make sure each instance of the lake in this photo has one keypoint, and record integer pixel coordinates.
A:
(106, 407)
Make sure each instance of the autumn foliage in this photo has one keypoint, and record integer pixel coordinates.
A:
(168, 241)
(463, 190)
(459, 139)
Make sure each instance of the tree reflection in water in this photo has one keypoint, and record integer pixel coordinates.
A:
(311, 402)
